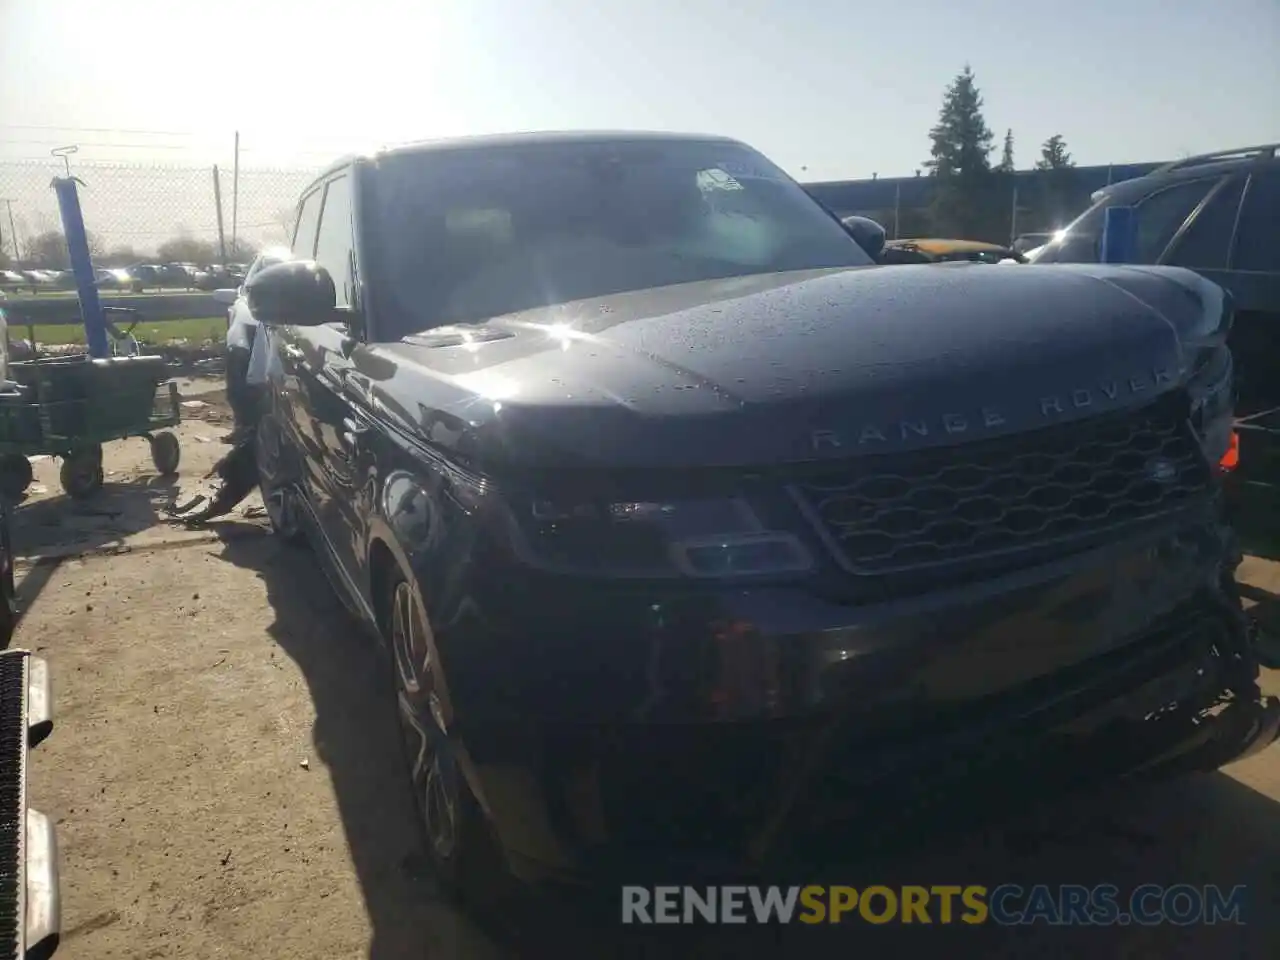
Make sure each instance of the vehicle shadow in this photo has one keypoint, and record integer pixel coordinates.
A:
(1208, 829)
(356, 734)
(1254, 511)
(48, 530)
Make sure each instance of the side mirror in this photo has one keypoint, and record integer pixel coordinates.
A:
(869, 235)
(225, 296)
(297, 293)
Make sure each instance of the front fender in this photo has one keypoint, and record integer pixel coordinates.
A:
(398, 541)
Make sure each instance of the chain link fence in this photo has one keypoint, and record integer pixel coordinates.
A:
(138, 211)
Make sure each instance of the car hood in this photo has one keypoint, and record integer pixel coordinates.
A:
(794, 367)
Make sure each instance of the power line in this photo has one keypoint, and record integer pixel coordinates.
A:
(144, 133)
(96, 143)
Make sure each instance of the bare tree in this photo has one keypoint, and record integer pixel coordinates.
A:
(48, 250)
(187, 249)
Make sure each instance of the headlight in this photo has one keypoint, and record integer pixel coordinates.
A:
(1211, 388)
(691, 538)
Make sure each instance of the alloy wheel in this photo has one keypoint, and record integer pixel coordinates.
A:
(433, 771)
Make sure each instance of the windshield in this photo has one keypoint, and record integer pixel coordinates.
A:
(1077, 242)
(464, 235)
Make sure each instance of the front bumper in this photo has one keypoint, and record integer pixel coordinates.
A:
(614, 730)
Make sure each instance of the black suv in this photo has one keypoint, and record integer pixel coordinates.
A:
(694, 536)
(1218, 214)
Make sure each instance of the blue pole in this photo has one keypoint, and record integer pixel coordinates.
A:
(95, 327)
(1119, 235)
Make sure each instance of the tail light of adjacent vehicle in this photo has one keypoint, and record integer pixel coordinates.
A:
(713, 538)
(1231, 459)
(1212, 393)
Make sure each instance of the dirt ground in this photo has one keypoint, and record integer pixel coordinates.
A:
(226, 783)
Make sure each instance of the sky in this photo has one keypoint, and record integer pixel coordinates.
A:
(830, 89)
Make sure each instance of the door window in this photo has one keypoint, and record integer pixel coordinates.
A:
(304, 235)
(333, 243)
(1207, 242)
(1162, 215)
(1258, 237)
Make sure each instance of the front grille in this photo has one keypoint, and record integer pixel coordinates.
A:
(892, 513)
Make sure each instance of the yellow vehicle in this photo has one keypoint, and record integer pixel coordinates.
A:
(932, 250)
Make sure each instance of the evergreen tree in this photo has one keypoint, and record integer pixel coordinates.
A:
(960, 161)
(1054, 155)
(1055, 164)
(1006, 156)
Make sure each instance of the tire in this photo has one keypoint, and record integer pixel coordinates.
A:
(456, 836)
(166, 453)
(15, 475)
(81, 472)
(279, 496)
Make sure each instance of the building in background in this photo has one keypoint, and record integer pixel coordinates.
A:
(902, 204)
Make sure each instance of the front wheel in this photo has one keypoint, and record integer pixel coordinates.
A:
(15, 475)
(165, 453)
(81, 472)
(458, 839)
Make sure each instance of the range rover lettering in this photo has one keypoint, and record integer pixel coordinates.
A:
(695, 536)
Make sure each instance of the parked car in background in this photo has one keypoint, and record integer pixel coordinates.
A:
(146, 276)
(114, 278)
(218, 277)
(1218, 214)
(39, 280)
(697, 538)
(242, 331)
(177, 275)
(233, 296)
(12, 280)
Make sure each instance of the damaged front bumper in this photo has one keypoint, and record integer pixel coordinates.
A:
(646, 806)
(812, 739)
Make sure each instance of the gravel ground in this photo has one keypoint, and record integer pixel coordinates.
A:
(225, 778)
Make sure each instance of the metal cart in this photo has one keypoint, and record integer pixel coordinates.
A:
(69, 406)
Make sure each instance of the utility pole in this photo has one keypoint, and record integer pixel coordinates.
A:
(235, 197)
(13, 231)
(1013, 215)
(217, 203)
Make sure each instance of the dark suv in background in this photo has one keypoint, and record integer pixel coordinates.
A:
(1218, 214)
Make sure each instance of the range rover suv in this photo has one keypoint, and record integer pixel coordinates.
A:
(694, 536)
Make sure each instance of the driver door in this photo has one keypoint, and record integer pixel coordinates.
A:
(320, 417)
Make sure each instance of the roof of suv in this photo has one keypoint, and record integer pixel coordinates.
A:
(1191, 168)
(500, 140)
